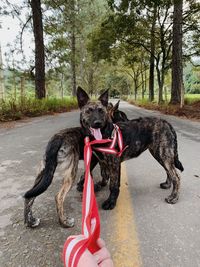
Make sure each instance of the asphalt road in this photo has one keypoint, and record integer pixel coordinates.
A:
(142, 230)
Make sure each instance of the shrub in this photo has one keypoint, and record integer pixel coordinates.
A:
(30, 107)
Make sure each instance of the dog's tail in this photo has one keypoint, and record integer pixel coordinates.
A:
(177, 162)
(45, 177)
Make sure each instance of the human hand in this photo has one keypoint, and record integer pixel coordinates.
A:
(87, 259)
(101, 258)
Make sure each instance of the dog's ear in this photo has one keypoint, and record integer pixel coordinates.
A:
(116, 106)
(82, 97)
(104, 98)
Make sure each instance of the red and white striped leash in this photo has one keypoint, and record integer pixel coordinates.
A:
(76, 245)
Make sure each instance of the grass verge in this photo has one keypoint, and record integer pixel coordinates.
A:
(28, 107)
(191, 109)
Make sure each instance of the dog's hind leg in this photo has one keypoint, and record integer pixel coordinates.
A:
(175, 180)
(69, 175)
(167, 184)
(164, 155)
(29, 220)
(157, 154)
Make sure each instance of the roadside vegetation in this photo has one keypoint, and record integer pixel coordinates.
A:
(191, 109)
(138, 49)
(30, 107)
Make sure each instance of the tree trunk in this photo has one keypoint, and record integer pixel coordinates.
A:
(15, 86)
(177, 95)
(39, 49)
(135, 88)
(145, 81)
(91, 81)
(22, 89)
(61, 85)
(73, 63)
(160, 92)
(73, 48)
(161, 80)
(143, 85)
(2, 88)
(160, 85)
(152, 59)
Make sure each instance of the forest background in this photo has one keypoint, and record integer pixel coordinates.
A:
(145, 51)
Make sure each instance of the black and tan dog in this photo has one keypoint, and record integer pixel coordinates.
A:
(66, 148)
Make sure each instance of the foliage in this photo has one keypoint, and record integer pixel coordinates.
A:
(29, 107)
(118, 85)
(113, 45)
(192, 98)
(192, 79)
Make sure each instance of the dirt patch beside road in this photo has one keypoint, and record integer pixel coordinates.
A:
(191, 111)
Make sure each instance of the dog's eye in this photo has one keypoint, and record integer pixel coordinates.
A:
(89, 110)
(100, 110)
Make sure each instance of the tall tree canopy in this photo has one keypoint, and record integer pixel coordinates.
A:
(96, 43)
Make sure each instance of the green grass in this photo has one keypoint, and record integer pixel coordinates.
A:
(30, 107)
(192, 98)
(189, 99)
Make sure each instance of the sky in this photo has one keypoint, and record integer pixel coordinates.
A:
(9, 30)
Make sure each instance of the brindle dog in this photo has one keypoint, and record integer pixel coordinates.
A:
(66, 148)
(154, 134)
(115, 114)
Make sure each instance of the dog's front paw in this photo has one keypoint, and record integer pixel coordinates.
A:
(172, 199)
(108, 204)
(67, 222)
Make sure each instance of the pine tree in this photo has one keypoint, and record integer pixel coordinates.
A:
(177, 54)
(2, 89)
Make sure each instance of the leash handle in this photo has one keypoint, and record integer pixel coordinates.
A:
(90, 214)
(76, 245)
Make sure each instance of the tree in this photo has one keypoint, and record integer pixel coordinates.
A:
(144, 25)
(177, 95)
(39, 48)
(152, 53)
(67, 28)
(2, 89)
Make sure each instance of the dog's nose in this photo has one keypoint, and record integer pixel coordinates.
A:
(97, 124)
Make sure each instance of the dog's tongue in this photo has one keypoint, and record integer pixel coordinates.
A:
(96, 133)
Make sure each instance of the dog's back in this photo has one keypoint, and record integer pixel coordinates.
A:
(149, 133)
